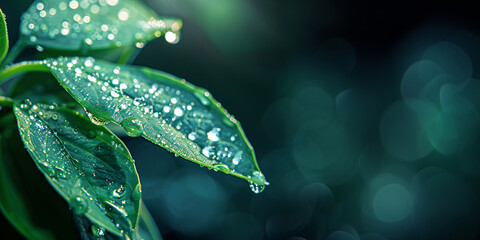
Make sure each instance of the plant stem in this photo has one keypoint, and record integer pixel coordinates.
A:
(128, 55)
(14, 52)
(6, 101)
(21, 68)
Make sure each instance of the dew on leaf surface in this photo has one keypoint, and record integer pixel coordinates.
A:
(96, 25)
(162, 108)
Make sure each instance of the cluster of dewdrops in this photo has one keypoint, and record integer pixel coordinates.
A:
(77, 21)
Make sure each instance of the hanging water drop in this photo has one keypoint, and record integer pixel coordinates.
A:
(172, 37)
(257, 177)
(132, 126)
(256, 188)
(137, 193)
(78, 204)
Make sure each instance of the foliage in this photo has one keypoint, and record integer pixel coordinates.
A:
(83, 160)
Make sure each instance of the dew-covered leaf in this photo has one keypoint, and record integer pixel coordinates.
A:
(164, 109)
(86, 164)
(94, 24)
(146, 228)
(3, 36)
(26, 199)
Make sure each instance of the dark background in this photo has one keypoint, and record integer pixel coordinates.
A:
(353, 144)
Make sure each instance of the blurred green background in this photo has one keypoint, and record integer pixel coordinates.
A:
(364, 116)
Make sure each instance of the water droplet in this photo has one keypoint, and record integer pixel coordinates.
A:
(203, 99)
(123, 14)
(39, 48)
(132, 126)
(96, 120)
(46, 168)
(167, 109)
(98, 231)
(229, 122)
(88, 62)
(192, 136)
(137, 193)
(208, 151)
(60, 172)
(78, 204)
(54, 117)
(222, 167)
(118, 193)
(256, 188)
(91, 134)
(214, 134)
(172, 37)
(178, 111)
(236, 159)
(115, 94)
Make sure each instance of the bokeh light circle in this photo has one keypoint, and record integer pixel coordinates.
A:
(402, 133)
(392, 203)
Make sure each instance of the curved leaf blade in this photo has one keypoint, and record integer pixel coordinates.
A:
(84, 25)
(146, 228)
(86, 164)
(3, 36)
(164, 109)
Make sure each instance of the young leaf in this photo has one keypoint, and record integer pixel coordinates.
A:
(87, 165)
(3, 36)
(164, 109)
(82, 24)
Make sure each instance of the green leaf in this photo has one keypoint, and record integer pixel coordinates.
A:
(146, 228)
(81, 24)
(86, 164)
(3, 36)
(21, 185)
(164, 109)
